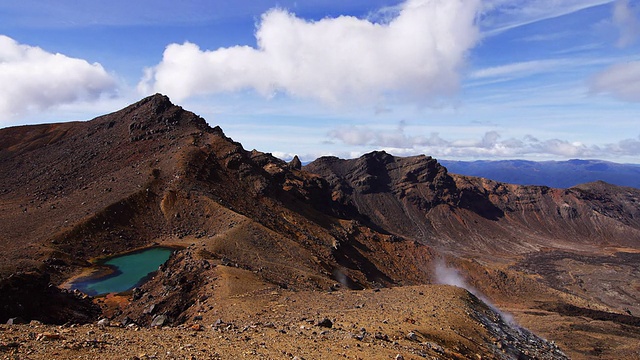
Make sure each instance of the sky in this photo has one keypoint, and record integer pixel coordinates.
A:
(453, 79)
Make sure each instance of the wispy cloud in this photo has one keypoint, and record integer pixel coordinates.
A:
(415, 56)
(491, 144)
(34, 80)
(625, 18)
(622, 81)
(520, 69)
(502, 15)
(548, 37)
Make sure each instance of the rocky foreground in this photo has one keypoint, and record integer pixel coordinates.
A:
(416, 322)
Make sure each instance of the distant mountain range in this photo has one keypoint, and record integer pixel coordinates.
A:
(557, 174)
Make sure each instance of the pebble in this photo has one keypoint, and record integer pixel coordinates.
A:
(48, 336)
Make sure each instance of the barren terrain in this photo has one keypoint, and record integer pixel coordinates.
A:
(268, 250)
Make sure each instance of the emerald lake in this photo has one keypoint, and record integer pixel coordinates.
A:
(126, 272)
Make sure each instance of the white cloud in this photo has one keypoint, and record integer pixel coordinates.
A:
(33, 79)
(490, 144)
(626, 21)
(626, 147)
(414, 56)
(621, 81)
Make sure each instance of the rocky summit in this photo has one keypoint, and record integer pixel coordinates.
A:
(376, 257)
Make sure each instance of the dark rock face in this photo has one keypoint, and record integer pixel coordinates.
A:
(415, 197)
(30, 296)
(295, 163)
(156, 115)
(388, 190)
(164, 299)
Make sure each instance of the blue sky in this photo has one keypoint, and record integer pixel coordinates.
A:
(454, 79)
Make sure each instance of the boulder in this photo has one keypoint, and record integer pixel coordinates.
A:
(158, 321)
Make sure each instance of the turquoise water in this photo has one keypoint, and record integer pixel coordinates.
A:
(128, 271)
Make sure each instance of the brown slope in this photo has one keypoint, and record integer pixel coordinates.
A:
(153, 173)
(62, 176)
(526, 247)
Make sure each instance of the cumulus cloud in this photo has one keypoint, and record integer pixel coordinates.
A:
(490, 144)
(415, 55)
(621, 81)
(33, 79)
(627, 22)
(625, 147)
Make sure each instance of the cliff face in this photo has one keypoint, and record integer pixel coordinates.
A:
(388, 192)
(417, 199)
(153, 173)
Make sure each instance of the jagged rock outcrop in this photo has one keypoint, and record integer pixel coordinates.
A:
(295, 163)
(416, 198)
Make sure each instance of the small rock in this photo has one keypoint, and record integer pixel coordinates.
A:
(137, 293)
(103, 322)
(381, 336)
(399, 357)
(48, 336)
(412, 336)
(158, 321)
(325, 323)
(15, 320)
(149, 309)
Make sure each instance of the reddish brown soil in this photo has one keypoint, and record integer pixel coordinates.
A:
(256, 232)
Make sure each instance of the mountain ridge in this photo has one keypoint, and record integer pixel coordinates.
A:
(558, 174)
(156, 174)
